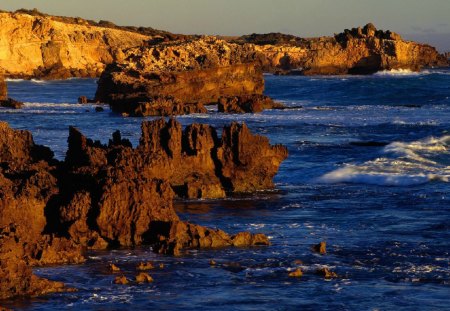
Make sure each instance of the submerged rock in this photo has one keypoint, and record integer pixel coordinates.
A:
(297, 273)
(143, 278)
(320, 248)
(326, 273)
(113, 268)
(143, 266)
(121, 280)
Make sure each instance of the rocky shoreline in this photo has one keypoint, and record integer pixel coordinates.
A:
(107, 196)
(37, 45)
(113, 195)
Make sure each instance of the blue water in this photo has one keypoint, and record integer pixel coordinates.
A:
(384, 211)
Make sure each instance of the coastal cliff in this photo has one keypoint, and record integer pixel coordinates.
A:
(43, 46)
(36, 45)
(115, 195)
(357, 51)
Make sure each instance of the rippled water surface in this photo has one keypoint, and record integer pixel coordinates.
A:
(368, 172)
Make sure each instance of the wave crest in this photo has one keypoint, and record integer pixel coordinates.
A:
(404, 164)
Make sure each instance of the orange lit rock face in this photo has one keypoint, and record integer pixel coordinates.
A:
(357, 51)
(47, 47)
(192, 72)
(115, 195)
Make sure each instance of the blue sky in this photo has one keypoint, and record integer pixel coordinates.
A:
(424, 20)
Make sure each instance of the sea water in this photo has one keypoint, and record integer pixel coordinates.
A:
(368, 172)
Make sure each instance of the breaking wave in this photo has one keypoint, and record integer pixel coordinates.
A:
(398, 72)
(402, 164)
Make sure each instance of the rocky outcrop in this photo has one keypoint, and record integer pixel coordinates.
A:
(115, 195)
(158, 106)
(192, 72)
(4, 100)
(356, 51)
(3, 89)
(48, 47)
(247, 104)
(27, 184)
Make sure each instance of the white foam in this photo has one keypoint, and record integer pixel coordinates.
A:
(14, 80)
(397, 72)
(38, 81)
(353, 175)
(405, 164)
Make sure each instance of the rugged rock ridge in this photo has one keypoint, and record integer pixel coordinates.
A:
(356, 51)
(193, 72)
(42, 46)
(116, 195)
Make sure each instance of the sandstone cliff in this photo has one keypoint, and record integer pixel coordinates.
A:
(357, 51)
(195, 72)
(41, 46)
(116, 195)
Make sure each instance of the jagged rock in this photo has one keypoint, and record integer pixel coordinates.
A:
(356, 51)
(320, 248)
(296, 273)
(143, 278)
(247, 104)
(248, 162)
(4, 100)
(115, 195)
(143, 266)
(179, 235)
(16, 275)
(191, 72)
(113, 268)
(121, 280)
(159, 106)
(99, 109)
(326, 273)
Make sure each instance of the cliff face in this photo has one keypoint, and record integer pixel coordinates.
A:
(356, 51)
(194, 71)
(45, 47)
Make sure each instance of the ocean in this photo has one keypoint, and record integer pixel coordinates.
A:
(368, 172)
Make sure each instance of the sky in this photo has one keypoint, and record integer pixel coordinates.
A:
(423, 20)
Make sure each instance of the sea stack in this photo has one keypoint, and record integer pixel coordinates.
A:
(193, 73)
(3, 89)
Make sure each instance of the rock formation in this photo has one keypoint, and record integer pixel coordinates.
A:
(247, 104)
(356, 51)
(116, 195)
(42, 46)
(193, 72)
(4, 100)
